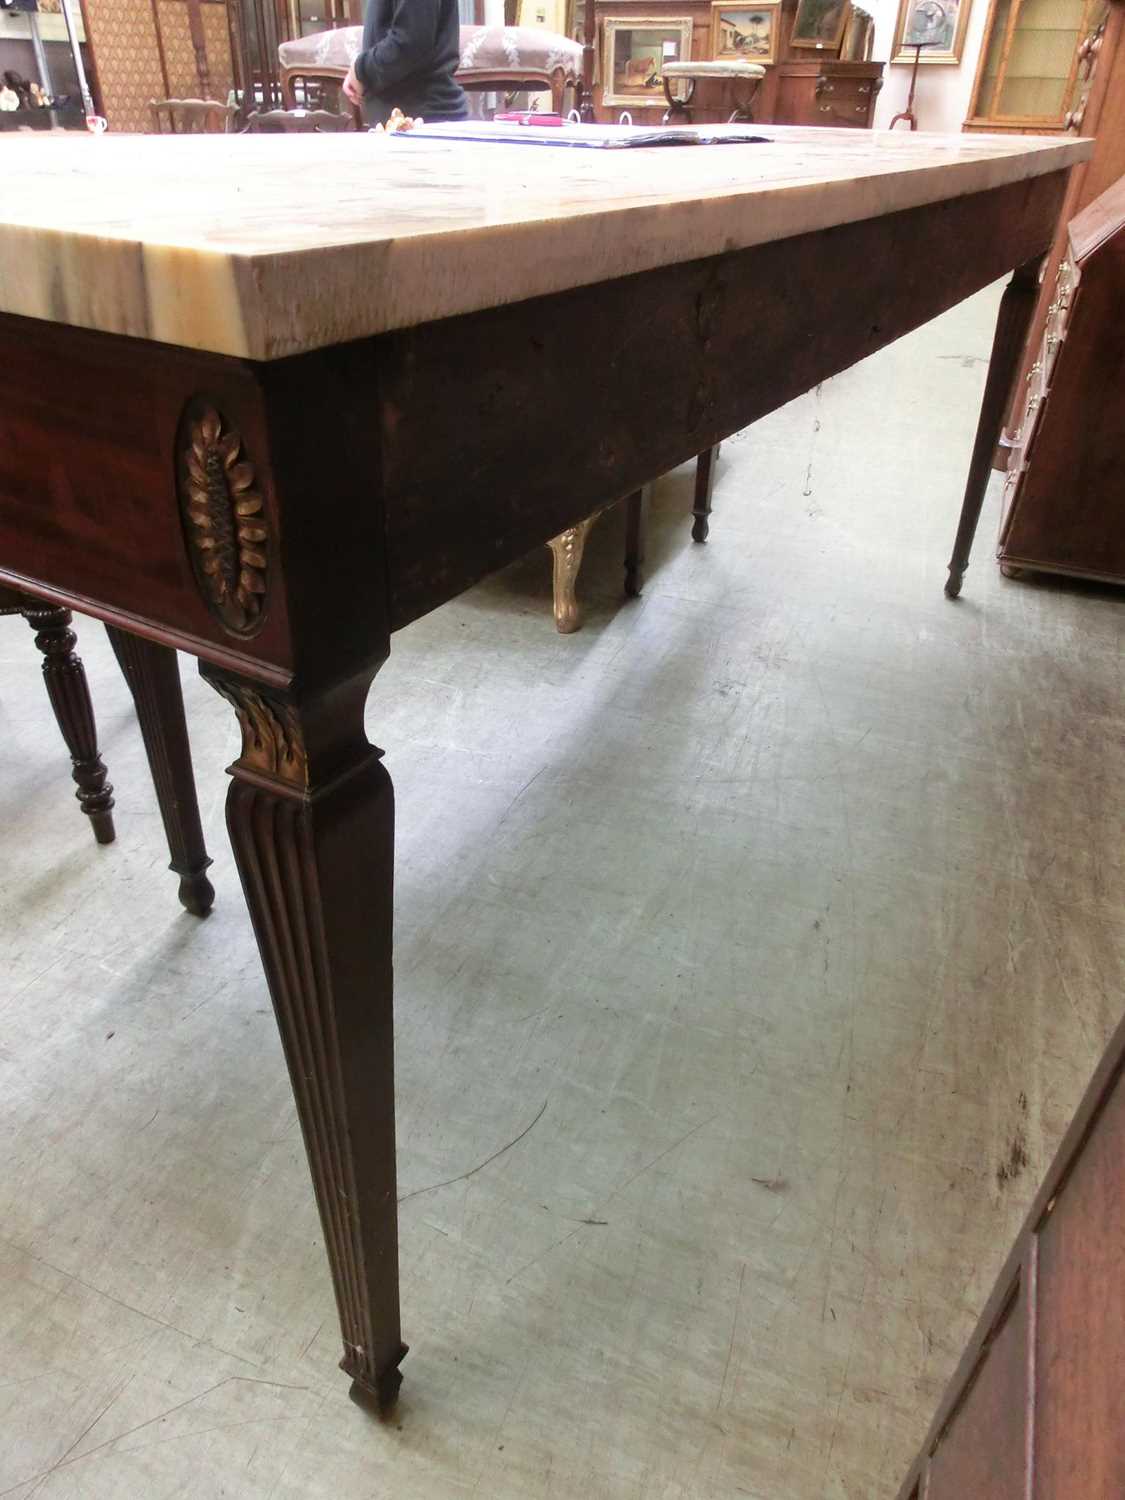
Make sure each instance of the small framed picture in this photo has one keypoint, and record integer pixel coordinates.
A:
(938, 25)
(745, 33)
(636, 49)
(820, 24)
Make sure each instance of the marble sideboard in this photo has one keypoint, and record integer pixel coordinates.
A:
(237, 423)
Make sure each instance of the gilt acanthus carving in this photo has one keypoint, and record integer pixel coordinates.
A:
(225, 522)
(271, 735)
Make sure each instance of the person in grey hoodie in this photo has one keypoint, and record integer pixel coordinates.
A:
(407, 60)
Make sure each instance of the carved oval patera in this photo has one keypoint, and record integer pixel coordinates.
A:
(224, 520)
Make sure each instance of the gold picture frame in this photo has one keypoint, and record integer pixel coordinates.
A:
(745, 33)
(634, 50)
(940, 23)
(820, 24)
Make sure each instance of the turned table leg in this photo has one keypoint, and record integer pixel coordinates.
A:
(67, 689)
(1016, 309)
(704, 484)
(153, 675)
(568, 548)
(636, 535)
(311, 819)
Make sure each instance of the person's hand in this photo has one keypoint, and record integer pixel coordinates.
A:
(353, 89)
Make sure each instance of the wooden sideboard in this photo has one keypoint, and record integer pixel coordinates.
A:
(1065, 489)
(803, 87)
(822, 91)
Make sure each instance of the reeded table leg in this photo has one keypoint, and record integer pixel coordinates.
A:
(704, 484)
(65, 677)
(1016, 309)
(568, 548)
(311, 819)
(153, 675)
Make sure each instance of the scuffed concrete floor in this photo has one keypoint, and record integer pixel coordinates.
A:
(785, 901)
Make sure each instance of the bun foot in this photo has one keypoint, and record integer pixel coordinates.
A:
(197, 894)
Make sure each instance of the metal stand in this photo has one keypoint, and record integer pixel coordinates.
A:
(908, 114)
(93, 119)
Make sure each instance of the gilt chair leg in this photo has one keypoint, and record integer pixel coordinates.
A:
(567, 548)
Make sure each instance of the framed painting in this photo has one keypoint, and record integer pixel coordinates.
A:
(635, 51)
(939, 25)
(820, 24)
(745, 33)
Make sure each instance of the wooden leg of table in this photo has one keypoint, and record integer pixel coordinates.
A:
(67, 689)
(636, 533)
(568, 548)
(311, 818)
(704, 484)
(1016, 309)
(153, 675)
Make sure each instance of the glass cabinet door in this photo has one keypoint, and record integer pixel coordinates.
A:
(1029, 73)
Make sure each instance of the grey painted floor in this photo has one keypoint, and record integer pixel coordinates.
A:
(787, 900)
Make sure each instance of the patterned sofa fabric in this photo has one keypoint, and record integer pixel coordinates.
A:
(491, 53)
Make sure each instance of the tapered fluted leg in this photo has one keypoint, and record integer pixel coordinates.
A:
(568, 548)
(65, 678)
(704, 484)
(1016, 308)
(636, 534)
(153, 675)
(311, 819)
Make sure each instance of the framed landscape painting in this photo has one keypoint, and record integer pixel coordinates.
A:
(745, 33)
(636, 49)
(820, 24)
(938, 24)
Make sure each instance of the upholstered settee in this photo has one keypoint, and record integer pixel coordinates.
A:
(492, 57)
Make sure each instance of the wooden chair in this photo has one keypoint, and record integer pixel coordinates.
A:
(494, 59)
(152, 674)
(191, 116)
(297, 122)
(569, 545)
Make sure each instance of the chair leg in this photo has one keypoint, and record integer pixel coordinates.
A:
(153, 675)
(704, 484)
(65, 678)
(567, 548)
(636, 535)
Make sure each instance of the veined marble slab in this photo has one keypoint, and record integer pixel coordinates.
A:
(264, 246)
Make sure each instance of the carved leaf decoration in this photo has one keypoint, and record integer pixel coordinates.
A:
(226, 523)
(271, 737)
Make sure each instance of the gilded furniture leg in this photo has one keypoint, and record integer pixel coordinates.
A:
(1013, 321)
(311, 819)
(636, 531)
(704, 484)
(153, 675)
(67, 689)
(568, 547)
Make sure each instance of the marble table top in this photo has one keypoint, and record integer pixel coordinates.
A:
(264, 245)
